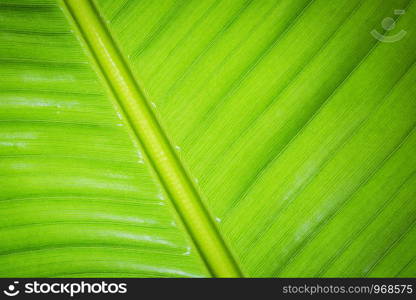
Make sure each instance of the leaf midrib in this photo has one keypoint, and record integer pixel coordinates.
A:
(154, 141)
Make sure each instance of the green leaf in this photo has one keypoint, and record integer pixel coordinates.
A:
(208, 138)
(77, 196)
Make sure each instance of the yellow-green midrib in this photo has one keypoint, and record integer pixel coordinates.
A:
(77, 198)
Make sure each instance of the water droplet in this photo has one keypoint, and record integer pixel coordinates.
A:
(139, 154)
(188, 251)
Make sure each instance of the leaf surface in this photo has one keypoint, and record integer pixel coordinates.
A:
(292, 122)
(77, 196)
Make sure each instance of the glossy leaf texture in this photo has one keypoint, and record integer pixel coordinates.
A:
(295, 123)
(77, 197)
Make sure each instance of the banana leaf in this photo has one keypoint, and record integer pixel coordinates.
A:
(207, 138)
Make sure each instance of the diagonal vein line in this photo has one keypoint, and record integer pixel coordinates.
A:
(169, 16)
(234, 86)
(167, 166)
(210, 45)
(391, 248)
(322, 224)
(344, 248)
(193, 28)
(339, 208)
(270, 162)
(119, 12)
(181, 78)
(405, 266)
(276, 95)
